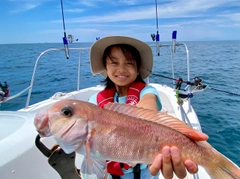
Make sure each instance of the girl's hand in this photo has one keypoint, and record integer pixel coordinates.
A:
(170, 161)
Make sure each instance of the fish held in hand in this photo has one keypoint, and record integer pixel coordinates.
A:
(127, 134)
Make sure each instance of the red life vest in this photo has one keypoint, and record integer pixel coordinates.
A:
(133, 94)
(133, 97)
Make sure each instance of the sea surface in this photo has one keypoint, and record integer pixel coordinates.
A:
(217, 63)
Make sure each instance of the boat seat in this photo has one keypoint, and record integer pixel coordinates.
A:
(62, 162)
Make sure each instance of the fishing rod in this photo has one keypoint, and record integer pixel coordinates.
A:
(65, 41)
(196, 82)
(157, 35)
(224, 91)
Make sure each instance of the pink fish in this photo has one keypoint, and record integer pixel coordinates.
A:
(127, 134)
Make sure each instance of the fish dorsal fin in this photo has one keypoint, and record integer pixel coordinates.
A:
(155, 116)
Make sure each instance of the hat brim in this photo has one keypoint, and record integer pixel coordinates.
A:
(97, 50)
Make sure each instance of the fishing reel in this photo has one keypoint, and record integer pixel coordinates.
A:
(198, 83)
(188, 92)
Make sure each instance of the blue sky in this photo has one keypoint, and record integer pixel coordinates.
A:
(37, 21)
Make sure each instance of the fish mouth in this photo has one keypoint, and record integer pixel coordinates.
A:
(41, 123)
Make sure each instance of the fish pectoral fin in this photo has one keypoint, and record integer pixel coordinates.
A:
(92, 168)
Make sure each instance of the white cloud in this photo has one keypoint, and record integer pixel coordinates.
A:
(231, 16)
(76, 10)
(25, 7)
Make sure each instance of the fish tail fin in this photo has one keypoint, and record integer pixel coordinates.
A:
(222, 167)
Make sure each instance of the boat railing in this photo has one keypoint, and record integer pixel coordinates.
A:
(36, 64)
(172, 51)
(29, 88)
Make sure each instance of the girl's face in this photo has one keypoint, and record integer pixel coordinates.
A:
(120, 70)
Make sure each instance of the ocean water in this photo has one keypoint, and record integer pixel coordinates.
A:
(217, 63)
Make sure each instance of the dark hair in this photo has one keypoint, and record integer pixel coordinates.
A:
(130, 52)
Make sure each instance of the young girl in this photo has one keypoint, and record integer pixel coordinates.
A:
(125, 62)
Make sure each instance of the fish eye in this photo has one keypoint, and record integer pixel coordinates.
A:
(67, 111)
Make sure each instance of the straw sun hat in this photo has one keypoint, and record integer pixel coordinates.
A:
(97, 50)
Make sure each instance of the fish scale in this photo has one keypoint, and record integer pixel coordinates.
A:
(138, 136)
